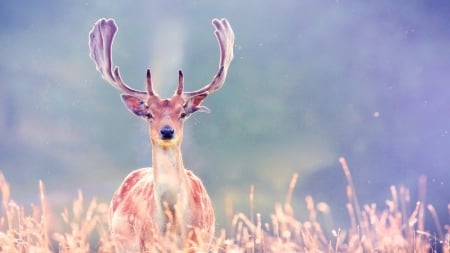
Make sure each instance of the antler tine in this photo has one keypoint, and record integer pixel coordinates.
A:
(101, 38)
(149, 84)
(225, 38)
(180, 83)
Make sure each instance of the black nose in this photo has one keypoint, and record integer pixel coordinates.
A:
(167, 132)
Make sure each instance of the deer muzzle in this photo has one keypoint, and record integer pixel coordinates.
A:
(167, 132)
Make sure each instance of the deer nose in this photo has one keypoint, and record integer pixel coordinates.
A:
(167, 132)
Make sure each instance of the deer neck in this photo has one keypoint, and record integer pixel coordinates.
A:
(168, 167)
(170, 181)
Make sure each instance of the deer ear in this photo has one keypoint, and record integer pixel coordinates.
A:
(135, 105)
(193, 103)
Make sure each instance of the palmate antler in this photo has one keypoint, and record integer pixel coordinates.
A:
(225, 38)
(100, 42)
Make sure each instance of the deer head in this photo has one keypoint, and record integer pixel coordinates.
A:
(165, 116)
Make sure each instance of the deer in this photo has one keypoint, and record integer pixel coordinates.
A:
(165, 200)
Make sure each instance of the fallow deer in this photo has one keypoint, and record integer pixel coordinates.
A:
(166, 199)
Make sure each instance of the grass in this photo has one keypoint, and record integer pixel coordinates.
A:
(84, 227)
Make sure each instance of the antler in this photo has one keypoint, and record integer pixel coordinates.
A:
(225, 38)
(100, 43)
(101, 38)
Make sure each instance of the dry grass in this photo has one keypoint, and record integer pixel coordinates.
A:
(84, 228)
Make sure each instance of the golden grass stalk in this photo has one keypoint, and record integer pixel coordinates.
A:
(84, 228)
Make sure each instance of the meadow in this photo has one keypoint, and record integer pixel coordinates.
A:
(83, 227)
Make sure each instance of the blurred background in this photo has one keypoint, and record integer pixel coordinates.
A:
(311, 81)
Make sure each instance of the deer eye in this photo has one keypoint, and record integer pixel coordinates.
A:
(148, 115)
(183, 115)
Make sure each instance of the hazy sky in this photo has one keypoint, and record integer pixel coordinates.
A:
(311, 81)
